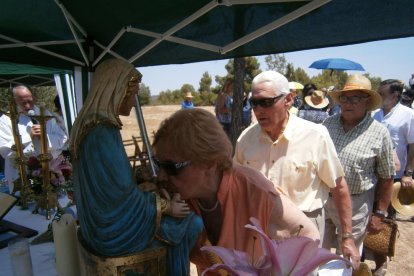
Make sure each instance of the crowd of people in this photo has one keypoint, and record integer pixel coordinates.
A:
(303, 171)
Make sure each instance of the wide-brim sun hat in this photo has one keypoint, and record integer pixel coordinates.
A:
(317, 100)
(357, 82)
(188, 95)
(293, 85)
(403, 199)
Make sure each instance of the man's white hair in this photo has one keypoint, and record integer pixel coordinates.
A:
(23, 87)
(279, 82)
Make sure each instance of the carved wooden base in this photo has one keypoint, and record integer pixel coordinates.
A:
(151, 262)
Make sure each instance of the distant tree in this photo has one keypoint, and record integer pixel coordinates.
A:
(328, 78)
(45, 94)
(206, 99)
(205, 83)
(165, 97)
(252, 69)
(300, 76)
(277, 62)
(240, 66)
(187, 88)
(4, 99)
(207, 95)
(290, 72)
(144, 94)
(375, 81)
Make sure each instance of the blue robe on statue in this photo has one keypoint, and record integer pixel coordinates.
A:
(117, 218)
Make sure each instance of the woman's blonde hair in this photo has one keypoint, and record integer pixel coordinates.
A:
(195, 135)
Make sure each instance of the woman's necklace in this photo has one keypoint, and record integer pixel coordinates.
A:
(208, 209)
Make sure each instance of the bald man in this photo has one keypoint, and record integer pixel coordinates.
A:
(29, 133)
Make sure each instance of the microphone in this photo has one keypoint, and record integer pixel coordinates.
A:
(31, 113)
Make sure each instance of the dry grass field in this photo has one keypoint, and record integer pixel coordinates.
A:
(401, 264)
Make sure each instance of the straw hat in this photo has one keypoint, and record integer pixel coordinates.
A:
(358, 82)
(188, 95)
(403, 201)
(293, 85)
(317, 99)
(363, 270)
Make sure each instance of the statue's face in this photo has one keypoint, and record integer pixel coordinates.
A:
(128, 101)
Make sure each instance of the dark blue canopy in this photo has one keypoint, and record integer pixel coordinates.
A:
(67, 33)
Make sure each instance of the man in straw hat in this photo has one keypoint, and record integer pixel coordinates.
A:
(188, 101)
(296, 155)
(399, 121)
(369, 170)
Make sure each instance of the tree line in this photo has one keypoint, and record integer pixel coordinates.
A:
(206, 93)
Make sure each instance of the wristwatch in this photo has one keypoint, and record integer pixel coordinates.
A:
(380, 213)
(347, 235)
(408, 173)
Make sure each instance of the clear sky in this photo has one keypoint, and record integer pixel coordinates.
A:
(385, 59)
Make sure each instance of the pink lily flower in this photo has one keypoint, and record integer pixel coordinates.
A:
(238, 262)
(295, 256)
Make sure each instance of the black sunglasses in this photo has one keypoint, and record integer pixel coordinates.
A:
(172, 168)
(266, 102)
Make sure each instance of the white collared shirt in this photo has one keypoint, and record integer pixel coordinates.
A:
(303, 161)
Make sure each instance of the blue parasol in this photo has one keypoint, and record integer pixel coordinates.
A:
(337, 64)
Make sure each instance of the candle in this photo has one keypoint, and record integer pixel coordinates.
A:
(20, 257)
(66, 246)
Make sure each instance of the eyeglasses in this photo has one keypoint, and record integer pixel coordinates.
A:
(172, 168)
(266, 102)
(351, 99)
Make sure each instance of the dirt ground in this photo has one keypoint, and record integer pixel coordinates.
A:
(401, 264)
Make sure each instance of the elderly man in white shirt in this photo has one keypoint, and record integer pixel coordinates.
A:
(297, 155)
(30, 133)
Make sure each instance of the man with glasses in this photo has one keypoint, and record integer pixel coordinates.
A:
(369, 170)
(29, 131)
(399, 120)
(295, 154)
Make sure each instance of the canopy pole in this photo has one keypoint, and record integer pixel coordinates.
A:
(28, 45)
(211, 5)
(105, 51)
(183, 41)
(66, 15)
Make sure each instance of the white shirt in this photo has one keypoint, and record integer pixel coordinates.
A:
(56, 140)
(303, 161)
(400, 123)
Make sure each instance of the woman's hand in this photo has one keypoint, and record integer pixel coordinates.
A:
(375, 224)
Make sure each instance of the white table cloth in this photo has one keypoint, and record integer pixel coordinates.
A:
(43, 255)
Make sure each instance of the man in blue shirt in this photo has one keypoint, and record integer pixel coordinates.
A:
(187, 103)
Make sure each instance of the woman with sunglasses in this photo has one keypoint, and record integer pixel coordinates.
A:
(195, 159)
(116, 218)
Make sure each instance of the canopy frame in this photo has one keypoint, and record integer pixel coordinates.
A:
(88, 60)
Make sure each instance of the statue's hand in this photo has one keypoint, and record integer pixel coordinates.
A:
(179, 208)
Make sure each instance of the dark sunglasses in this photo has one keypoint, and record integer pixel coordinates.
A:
(266, 102)
(172, 168)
